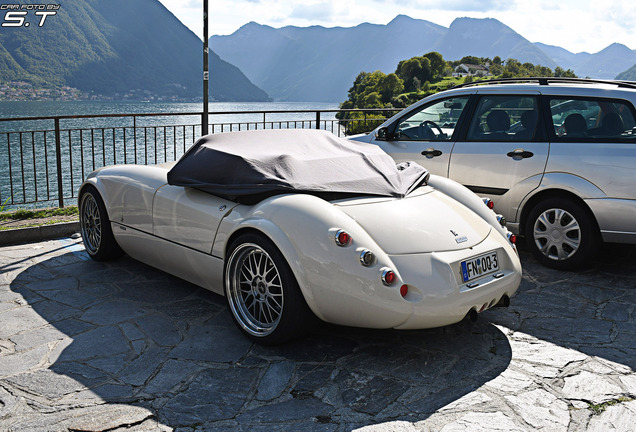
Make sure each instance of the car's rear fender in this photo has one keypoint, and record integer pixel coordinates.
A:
(303, 228)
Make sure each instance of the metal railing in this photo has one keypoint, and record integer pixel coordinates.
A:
(43, 160)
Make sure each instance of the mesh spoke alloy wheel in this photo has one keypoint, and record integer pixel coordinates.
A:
(91, 224)
(254, 289)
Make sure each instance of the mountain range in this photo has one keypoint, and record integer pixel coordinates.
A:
(113, 47)
(320, 64)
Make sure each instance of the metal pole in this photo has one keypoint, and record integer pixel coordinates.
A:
(58, 162)
(206, 73)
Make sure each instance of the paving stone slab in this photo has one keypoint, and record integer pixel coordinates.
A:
(121, 346)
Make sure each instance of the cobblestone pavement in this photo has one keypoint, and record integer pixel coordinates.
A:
(123, 347)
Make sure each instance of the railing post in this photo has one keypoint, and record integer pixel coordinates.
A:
(317, 119)
(58, 163)
(135, 137)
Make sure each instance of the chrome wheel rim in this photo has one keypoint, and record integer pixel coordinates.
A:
(557, 234)
(254, 289)
(91, 224)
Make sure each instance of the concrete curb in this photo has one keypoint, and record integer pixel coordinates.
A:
(38, 233)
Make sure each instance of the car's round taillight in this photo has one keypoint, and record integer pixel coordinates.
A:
(342, 238)
(367, 258)
(388, 276)
(501, 220)
(512, 238)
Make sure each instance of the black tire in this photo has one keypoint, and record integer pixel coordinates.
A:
(562, 234)
(262, 293)
(97, 234)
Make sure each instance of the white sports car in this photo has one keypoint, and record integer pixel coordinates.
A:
(288, 224)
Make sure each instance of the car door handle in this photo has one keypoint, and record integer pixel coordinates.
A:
(431, 152)
(520, 154)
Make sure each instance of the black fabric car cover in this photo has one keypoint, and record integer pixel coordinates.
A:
(267, 162)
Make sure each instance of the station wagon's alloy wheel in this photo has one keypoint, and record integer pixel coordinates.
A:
(97, 235)
(262, 293)
(561, 233)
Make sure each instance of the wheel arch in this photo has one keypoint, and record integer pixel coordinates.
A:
(548, 194)
(95, 183)
(281, 241)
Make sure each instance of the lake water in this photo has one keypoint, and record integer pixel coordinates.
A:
(28, 174)
(60, 108)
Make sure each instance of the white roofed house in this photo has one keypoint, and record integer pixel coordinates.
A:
(466, 69)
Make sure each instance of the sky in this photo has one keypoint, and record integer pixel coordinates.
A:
(576, 25)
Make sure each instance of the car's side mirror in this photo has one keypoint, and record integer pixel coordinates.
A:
(383, 134)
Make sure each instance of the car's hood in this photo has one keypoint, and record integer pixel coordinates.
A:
(425, 221)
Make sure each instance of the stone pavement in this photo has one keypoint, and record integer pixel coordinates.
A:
(87, 346)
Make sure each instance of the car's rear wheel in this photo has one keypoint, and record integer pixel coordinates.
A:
(262, 293)
(562, 234)
(97, 235)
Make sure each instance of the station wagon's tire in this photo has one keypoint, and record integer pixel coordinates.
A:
(97, 235)
(562, 234)
(262, 293)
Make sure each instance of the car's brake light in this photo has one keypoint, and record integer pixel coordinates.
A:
(489, 203)
(388, 276)
(342, 238)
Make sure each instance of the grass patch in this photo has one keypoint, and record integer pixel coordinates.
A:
(600, 408)
(38, 214)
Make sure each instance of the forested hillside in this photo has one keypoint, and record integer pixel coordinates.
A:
(628, 75)
(115, 47)
(422, 76)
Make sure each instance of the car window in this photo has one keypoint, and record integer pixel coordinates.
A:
(505, 118)
(592, 119)
(434, 122)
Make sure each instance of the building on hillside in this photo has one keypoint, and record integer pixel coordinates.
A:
(466, 69)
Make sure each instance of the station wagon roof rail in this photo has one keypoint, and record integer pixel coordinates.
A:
(550, 80)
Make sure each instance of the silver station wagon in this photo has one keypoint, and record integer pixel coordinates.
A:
(556, 156)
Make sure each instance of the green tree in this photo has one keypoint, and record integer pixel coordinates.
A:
(437, 63)
(415, 67)
(496, 69)
(471, 60)
(390, 87)
(559, 72)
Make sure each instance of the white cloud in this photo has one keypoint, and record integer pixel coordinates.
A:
(321, 11)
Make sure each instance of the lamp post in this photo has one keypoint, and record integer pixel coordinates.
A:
(206, 73)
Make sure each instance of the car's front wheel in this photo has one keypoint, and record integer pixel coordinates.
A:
(97, 234)
(562, 234)
(262, 293)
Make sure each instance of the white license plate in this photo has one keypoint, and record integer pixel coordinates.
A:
(479, 266)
